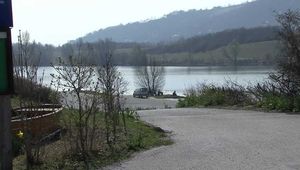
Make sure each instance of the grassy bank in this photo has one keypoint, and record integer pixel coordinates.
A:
(139, 136)
(235, 96)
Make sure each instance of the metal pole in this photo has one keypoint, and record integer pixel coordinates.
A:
(5, 133)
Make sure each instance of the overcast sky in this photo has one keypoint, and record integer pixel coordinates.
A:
(58, 21)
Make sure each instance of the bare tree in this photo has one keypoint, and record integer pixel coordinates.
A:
(27, 58)
(29, 90)
(76, 81)
(151, 77)
(112, 86)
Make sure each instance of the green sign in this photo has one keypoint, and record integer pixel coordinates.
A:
(3, 63)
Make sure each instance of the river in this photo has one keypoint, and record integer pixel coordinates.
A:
(179, 78)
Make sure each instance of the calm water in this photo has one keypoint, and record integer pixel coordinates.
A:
(180, 78)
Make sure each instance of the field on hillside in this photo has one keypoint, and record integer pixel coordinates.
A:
(259, 53)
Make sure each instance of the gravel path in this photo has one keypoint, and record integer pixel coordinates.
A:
(130, 102)
(210, 139)
(149, 103)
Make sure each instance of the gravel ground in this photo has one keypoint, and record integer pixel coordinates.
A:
(149, 103)
(210, 139)
(130, 102)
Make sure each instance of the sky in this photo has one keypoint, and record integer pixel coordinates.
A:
(58, 21)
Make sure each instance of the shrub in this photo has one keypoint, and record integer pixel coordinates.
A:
(28, 90)
(191, 100)
(211, 95)
(279, 102)
(297, 104)
(271, 96)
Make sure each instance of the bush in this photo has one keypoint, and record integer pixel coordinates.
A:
(297, 104)
(262, 95)
(191, 100)
(271, 96)
(279, 102)
(25, 89)
(211, 95)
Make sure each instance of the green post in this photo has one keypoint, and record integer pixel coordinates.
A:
(3, 62)
(6, 84)
(6, 87)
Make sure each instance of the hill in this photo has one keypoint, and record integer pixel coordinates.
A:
(216, 40)
(184, 24)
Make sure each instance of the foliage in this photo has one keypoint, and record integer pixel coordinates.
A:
(288, 73)
(271, 102)
(265, 95)
(211, 95)
(38, 93)
(272, 95)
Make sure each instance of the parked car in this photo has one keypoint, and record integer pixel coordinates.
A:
(141, 93)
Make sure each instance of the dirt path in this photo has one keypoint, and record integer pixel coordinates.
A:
(210, 139)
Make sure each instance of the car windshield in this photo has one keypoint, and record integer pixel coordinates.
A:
(143, 89)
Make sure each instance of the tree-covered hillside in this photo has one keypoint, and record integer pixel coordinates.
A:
(184, 24)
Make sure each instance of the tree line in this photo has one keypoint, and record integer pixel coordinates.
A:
(131, 54)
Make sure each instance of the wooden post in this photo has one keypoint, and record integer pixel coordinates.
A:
(5, 133)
